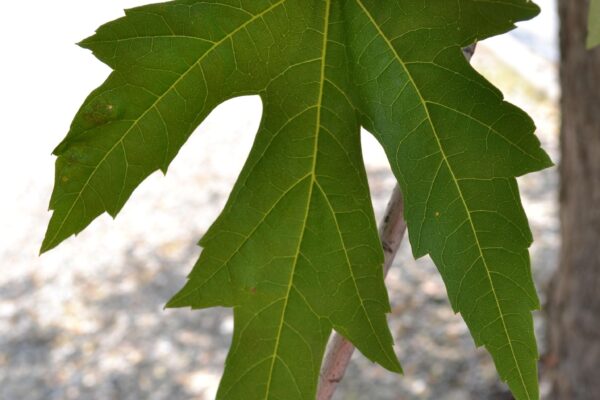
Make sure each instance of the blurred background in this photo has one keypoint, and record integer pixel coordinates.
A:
(86, 320)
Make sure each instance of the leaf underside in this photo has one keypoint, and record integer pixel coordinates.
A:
(295, 251)
(593, 38)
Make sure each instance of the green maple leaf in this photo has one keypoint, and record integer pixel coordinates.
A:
(295, 252)
(593, 39)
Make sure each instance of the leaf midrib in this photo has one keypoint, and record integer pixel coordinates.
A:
(51, 242)
(309, 196)
(455, 181)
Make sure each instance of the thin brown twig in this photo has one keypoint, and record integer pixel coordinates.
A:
(391, 231)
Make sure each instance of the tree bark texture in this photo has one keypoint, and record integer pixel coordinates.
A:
(574, 298)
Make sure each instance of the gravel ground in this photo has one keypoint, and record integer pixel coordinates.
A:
(86, 321)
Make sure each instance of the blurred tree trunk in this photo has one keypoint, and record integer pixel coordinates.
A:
(574, 298)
